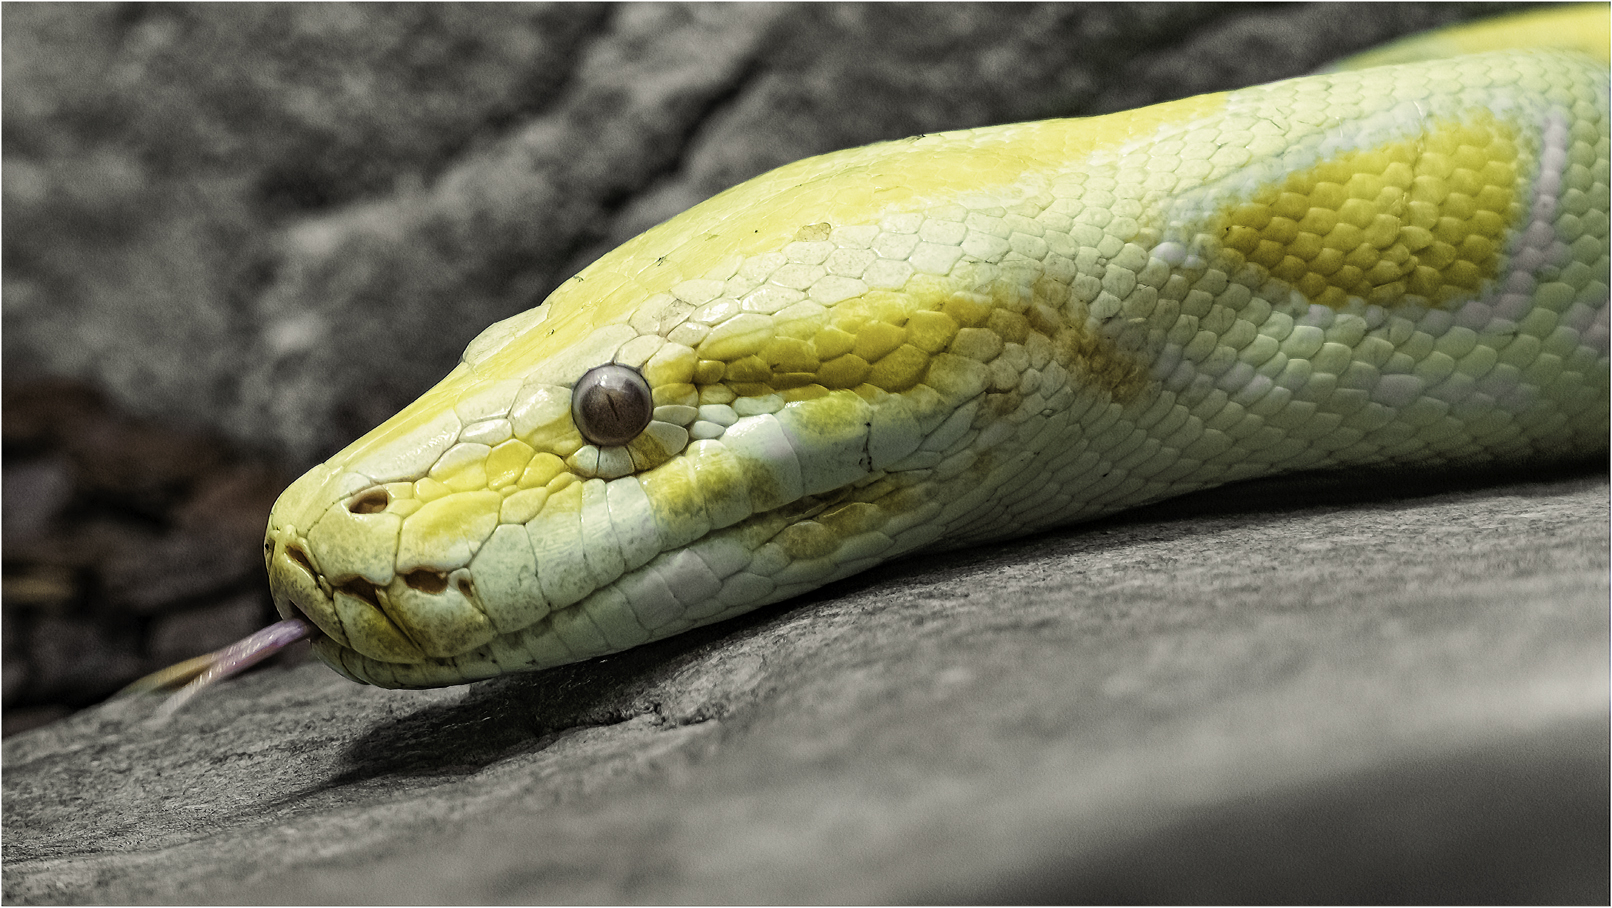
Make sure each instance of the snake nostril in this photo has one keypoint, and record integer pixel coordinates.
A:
(372, 502)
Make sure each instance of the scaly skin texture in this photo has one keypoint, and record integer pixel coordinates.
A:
(977, 335)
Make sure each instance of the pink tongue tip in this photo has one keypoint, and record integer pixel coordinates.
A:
(249, 651)
(238, 657)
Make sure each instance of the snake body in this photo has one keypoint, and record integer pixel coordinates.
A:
(975, 335)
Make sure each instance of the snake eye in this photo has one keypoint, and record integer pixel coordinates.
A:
(611, 404)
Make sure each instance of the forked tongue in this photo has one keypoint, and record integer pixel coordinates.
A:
(205, 671)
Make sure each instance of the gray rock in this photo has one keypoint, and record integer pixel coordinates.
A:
(1233, 698)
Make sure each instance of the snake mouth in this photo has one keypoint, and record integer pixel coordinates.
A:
(297, 586)
(300, 559)
(314, 632)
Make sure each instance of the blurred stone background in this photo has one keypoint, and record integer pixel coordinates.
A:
(237, 236)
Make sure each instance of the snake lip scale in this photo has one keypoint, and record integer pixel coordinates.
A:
(974, 335)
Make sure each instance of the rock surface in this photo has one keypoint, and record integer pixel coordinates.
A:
(281, 223)
(1225, 699)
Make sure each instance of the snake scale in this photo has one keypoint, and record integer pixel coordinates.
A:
(974, 335)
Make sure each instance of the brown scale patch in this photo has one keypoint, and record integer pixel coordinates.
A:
(359, 588)
(426, 581)
(852, 518)
(814, 233)
(1100, 362)
(807, 540)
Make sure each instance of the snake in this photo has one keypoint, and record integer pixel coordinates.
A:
(969, 336)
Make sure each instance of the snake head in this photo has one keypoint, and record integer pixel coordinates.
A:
(730, 410)
(575, 488)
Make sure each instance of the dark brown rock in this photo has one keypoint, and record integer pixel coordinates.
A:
(36, 494)
(178, 568)
(78, 658)
(110, 523)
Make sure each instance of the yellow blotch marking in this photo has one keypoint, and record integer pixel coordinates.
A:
(429, 489)
(656, 444)
(930, 331)
(804, 392)
(788, 381)
(748, 369)
(739, 336)
(832, 343)
(1010, 326)
(721, 480)
(675, 394)
(523, 505)
(709, 372)
(676, 500)
(1425, 217)
(438, 536)
(877, 339)
(507, 463)
(672, 364)
(798, 328)
(846, 371)
(542, 468)
(788, 354)
(980, 344)
(966, 310)
(899, 370)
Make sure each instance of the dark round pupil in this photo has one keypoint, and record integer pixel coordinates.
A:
(611, 404)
